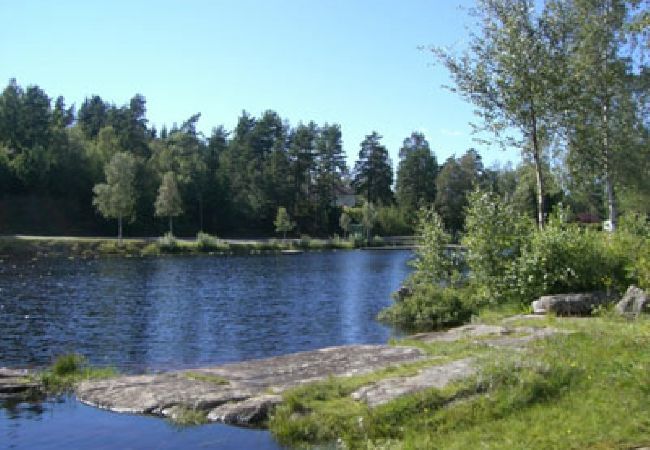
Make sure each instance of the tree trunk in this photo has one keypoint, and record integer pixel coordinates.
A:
(119, 230)
(607, 175)
(609, 185)
(538, 171)
(201, 212)
(171, 227)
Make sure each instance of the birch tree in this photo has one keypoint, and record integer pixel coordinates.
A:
(115, 199)
(509, 70)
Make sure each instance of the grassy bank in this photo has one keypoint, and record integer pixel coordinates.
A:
(588, 389)
(35, 246)
(68, 370)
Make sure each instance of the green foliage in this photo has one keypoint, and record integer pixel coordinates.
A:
(68, 364)
(368, 218)
(494, 236)
(430, 307)
(116, 198)
(169, 203)
(208, 243)
(207, 377)
(373, 174)
(631, 243)
(432, 263)
(416, 176)
(457, 178)
(187, 417)
(344, 222)
(513, 401)
(566, 258)
(391, 221)
(283, 222)
(168, 244)
(68, 370)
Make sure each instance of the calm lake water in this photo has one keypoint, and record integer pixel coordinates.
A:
(153, 314)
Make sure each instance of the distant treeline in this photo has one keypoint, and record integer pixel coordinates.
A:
(232, 182)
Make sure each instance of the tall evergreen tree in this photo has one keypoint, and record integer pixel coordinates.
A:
(416, 175)
(455, 181)
(373, 174)
(330, 168)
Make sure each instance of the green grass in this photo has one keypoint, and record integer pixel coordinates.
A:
(589, 389)
(206, 377)
(68, 370)
(187, 417)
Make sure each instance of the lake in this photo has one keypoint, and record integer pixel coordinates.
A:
(145, 315)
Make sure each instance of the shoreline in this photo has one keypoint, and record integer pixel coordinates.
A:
(27, 246)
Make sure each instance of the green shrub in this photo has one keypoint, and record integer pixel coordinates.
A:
(150, 249)
(108, 247)
(631, 242)
(432, 263)
(430, 307)
(207, 243)
(565, 258)
(68, 364)
(168, 243)
(392, 221)
(67, 370)
(495, 234)
(339, 242)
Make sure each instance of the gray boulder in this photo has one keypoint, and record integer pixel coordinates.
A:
(633, 303)
(403, 293)
(570, 304)
(249, 412)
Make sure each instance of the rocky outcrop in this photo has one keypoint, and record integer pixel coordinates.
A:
(438, 377)
(242, 398)
(633, 303)
(17, 383)
(252, 411)
(570, 304)
(244, 393)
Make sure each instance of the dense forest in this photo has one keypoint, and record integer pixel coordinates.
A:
(232, 182)
(571, 92)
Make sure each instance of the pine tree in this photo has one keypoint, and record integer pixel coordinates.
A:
(373, 175)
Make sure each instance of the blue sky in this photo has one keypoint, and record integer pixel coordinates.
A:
(352, 62)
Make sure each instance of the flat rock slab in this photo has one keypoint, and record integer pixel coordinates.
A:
(438, 377)
(492, 335)
(242, 394)
(16, 382)
(580, 304)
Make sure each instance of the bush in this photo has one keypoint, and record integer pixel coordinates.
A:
(565, 258)
(430, 307)
(631, 242)
(392, 221)
(68, 364)
(495, 234)
(432, 263)
(206, 243)
(168, 243)
(67, 370)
